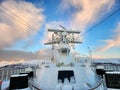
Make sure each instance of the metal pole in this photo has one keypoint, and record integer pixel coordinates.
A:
(90, 53)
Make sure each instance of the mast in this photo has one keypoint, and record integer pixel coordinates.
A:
(62, 38)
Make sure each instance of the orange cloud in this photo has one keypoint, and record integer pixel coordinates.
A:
(4, 62)
(113, 42)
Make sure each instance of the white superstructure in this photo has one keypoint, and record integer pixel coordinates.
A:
(65, 72)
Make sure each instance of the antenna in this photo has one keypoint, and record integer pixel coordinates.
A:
(100, 22)
(52, 58)
(62, 27)
(52, 40)
(90, 53)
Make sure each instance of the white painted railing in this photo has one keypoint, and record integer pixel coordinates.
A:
(98, 86)
(6, 73)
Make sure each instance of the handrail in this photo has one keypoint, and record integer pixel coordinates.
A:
(35, 87)
(101, 81)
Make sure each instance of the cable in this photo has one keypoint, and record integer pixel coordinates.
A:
(21, 21)
(13, 18)
(92, 28)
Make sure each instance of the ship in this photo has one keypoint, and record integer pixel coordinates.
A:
(67, 72)
(64, 69)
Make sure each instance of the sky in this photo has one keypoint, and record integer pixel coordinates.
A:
(24, 23)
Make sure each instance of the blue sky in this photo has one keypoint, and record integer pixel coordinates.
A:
(103, 40)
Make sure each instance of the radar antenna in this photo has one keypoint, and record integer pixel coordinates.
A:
(64, 35)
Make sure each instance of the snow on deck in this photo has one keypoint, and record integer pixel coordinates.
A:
(47, 77)
(5, 85)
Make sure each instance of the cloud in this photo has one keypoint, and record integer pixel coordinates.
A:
(47, 53)
(97, 57)
(21, 21)
(4, 63)
(113, 42)
(44, 53)
(86, 12)
(15, 55)
(54, 24)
